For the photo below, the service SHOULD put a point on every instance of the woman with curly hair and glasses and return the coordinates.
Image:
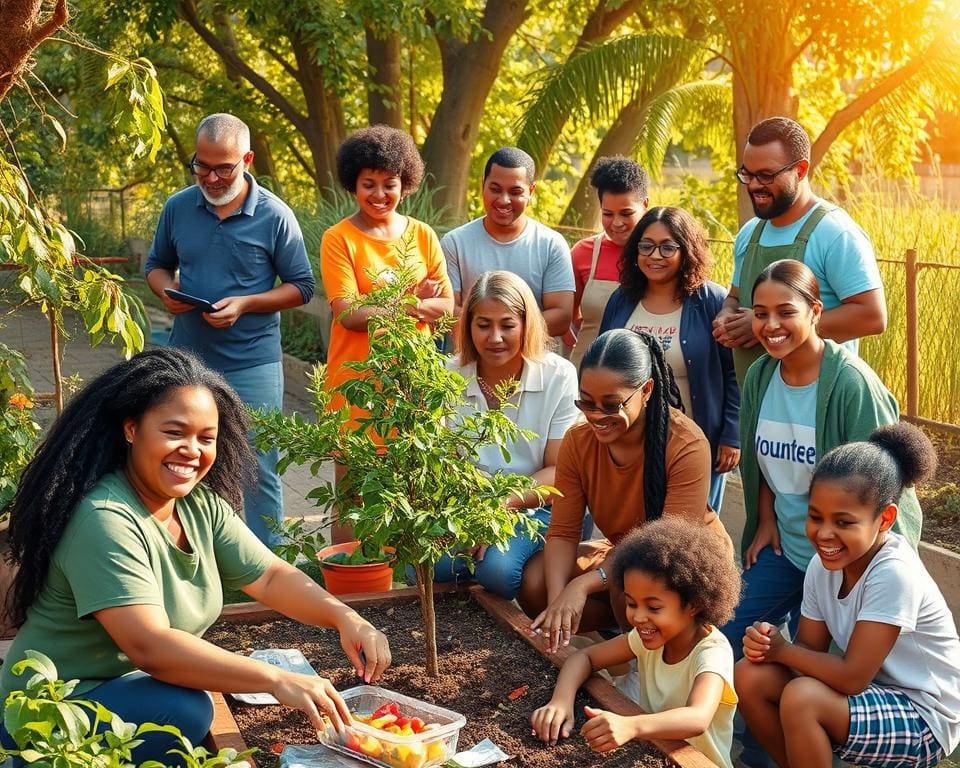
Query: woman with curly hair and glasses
(379, 166)
(665, 290)
(124, 532)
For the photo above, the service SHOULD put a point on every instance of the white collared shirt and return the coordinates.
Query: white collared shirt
(544, 403)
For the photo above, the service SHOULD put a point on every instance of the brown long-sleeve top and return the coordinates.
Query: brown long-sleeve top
(587, 477)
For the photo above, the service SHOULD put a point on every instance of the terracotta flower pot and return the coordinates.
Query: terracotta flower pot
(354, 579)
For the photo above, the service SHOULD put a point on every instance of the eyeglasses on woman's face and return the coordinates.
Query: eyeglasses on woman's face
(607, 410)
(667, 250)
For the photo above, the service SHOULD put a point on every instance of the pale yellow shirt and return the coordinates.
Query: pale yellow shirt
(667, 686)
(667, 329)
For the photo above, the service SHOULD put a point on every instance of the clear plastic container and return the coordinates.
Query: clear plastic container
(391, 750)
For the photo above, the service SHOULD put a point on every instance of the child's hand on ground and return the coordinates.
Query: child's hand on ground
(762, 641)
(605, 731)
(551, 722)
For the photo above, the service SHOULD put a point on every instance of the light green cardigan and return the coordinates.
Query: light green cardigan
(851, 403)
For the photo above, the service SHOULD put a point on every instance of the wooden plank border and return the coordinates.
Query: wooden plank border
(602, 691)
(224, 731)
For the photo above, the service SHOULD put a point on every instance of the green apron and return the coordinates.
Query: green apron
(757, 258)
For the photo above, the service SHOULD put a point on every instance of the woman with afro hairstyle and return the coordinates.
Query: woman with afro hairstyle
(379, 166)
(678, 586)
(621, 185)
(124, 531)
(664, 289)
(635, 459)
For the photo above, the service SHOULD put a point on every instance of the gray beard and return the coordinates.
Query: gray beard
(229, 194)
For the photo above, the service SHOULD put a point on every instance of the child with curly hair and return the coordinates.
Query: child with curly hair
(891, 697)
(678, 585)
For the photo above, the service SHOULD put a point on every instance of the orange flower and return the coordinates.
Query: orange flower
(20, 400)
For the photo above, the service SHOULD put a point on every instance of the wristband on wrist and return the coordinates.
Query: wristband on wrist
(603, 575)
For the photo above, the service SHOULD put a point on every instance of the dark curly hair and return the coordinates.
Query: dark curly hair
(788, 132)
(618, 175)
(689, 559)
(638, 356)
(894, 457)
(87, 442)
(695, 261)
(379, 148)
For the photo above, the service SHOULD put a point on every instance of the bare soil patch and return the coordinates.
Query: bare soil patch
(481, 663)
(940, 495)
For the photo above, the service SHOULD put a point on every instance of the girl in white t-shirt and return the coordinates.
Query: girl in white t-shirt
(891, 697)
(678, 586)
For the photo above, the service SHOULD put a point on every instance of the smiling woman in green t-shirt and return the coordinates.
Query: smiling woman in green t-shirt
(124, 534)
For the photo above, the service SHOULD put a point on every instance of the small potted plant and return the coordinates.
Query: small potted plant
(355, 566)
(411, 478)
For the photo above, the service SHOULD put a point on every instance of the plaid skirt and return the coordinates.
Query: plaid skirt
(887, 732)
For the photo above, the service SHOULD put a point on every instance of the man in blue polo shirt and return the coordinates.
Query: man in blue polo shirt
(231, 240)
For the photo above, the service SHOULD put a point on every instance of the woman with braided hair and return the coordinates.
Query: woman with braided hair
(124, 532)
(636, 458)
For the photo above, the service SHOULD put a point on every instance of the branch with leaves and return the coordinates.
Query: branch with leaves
(412, 480)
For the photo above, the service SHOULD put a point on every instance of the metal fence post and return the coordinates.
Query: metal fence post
(913, 350)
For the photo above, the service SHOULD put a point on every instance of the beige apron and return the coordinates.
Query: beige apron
(596, 294)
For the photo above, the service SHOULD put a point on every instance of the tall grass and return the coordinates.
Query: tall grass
(895, 221)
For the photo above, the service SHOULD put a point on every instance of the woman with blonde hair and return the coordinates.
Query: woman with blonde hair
(502, 337)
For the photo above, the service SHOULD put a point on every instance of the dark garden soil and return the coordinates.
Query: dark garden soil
(940, 495)
(481, 663)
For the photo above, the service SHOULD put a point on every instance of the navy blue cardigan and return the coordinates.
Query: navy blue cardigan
(713, 384)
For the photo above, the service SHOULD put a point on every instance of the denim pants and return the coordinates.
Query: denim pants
(718, 482)
(772, 591)
(498, 572)
(138, 698)
(262, 387)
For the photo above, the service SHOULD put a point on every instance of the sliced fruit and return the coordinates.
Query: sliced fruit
(382, 721)
(370, 746)
(416, 723)
(416, 757)
(436, 751)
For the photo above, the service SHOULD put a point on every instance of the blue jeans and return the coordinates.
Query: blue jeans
(138, 698)
(718, 482)
(262, 387)
(772, 591)
(501, 572)
(498, 572)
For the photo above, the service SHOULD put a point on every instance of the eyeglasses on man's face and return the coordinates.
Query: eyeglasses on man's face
(202, 170)
(606, 410)
(764, 177)
(667, 250)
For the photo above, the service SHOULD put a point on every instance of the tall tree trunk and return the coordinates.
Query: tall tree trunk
(384, 93)
(762, 55)
(583, 210)
(599, 25)
(469, 71)
(22, 32)
(262, 156)
(322, 126)
(424, 573)
(325, 127)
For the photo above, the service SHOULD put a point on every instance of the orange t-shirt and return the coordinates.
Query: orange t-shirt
(587, 477)
(348, 257)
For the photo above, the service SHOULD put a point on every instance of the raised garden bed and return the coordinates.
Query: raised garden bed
(485, 654)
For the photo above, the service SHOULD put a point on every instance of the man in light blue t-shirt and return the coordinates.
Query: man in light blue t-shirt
(506, 238)
(227, 240)
(792, 223)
